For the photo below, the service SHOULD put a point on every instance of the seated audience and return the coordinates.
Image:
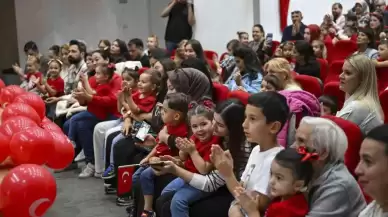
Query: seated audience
(136, 52)
(361, 10)
(366, 43)
(312, 32)
(291, 172)
(296, 30)
(281, 69)
(243, 37)
(270, 83)
(180, 52)
(359, 82)
(104, 44)
(31, 49)
(248, 77)
(376, 24)
(119, 51)
(260, 44)
(152, 42)
(333, 190)
(306, 62)
(319, 48)
(339, 19)
(32, 75)
(328, 105)
(155, 54)
(198, 64)
(372, 170)
(54, 52)
(228, 64)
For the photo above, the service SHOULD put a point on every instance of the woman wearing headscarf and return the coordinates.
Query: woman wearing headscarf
(361, 10)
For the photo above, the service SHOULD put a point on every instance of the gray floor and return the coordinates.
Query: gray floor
(82, 198)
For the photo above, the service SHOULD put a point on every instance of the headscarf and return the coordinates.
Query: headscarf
(191, 82)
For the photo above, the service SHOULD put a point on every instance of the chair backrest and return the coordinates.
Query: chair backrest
(335, 70)
(209, 54)
(382, 78)
(343, 49)
(173, 53)
(384, 104)
(143, 69)
(222, 57)
(275, 44)
(354, 136)
(221, 92)
(324, 65)
(332, 89)
(309, 84)
(240, 95)
(329, 49)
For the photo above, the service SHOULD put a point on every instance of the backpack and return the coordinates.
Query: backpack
(301, 104)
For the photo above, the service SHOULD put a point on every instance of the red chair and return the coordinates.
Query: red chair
(223, 56)
(355, 137)
(309, 84)
(332, 89)
(221, 92)
(384, 104)
(173, 53)
(324, 65)
(382, 78)
(275, 44)
(209, 54)
(343, 49)
(240, 95)
(334, 71)
(329, 48)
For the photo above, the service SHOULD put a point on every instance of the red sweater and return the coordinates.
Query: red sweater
(203, 150)
(104, 102)
(58, 85)
(295, 206)
(115, 82)
(36, 74)
(177, 131)
(145, 104)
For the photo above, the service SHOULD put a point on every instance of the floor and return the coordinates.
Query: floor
(82, 198)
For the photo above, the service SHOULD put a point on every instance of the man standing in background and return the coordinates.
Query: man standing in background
(181, 18)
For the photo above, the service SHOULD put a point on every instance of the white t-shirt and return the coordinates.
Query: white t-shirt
(373, 210)
(257, 171)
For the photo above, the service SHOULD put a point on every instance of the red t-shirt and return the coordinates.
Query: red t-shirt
(104, 102)
(36, 74)
(58, 85)
(114, 83)
(295, 206)
(145, 104)
(203, 150)
(382, 77)
(177, 131)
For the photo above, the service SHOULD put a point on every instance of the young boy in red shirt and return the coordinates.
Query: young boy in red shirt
(32, 75)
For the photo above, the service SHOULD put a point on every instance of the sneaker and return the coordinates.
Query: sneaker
(109, 172)
(110, 190)
(72, 166)
(146, 213)
(80, 157)
(97, 175)
(131, 211)
(124, 201)
(87, 172)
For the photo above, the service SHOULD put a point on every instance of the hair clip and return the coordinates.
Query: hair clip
(58, 60)
(307, 156)
(112, 66)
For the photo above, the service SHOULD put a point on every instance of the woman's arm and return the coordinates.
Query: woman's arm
(51, 91)
(254, 86)
(191, 16)
(167, 10)
(380, 64)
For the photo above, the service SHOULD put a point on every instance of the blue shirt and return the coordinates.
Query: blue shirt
(250, 86)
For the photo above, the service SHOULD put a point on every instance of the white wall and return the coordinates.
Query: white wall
(313, 12)
(219, 20)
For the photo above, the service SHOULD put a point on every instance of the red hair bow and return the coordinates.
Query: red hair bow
(307, 156)
(112, 66)
(208, 104)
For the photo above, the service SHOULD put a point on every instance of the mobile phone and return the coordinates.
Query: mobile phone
(143, 131)
(269, 38)
(160, 164)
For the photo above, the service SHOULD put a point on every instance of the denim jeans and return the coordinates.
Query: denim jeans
(115, 140)
(184, 196)
(170, 46)
(81, 127)
(147, 179)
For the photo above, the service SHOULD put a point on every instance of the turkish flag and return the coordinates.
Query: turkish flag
(124, 178)
(284, 5)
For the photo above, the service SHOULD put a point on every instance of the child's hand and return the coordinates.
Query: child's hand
(237, 78)
(127, 127)
(186, 145)
(144, 161)
(149, 141)
(154, 160)
(83, 79)
(248, 202)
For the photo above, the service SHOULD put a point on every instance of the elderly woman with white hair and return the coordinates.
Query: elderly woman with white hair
(333, 191)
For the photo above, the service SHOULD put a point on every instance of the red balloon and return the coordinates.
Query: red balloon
(4, 147)
(15, 90)
(6, 96)
(27, 191)
(63, 153)
(33, 145)
(34, 101)
(2, 85)
(50, 126)
(16, 124)
(20, 109)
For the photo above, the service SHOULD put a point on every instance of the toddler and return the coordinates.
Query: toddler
(328, 105)
(319, 49)
(32, 75)
(270, 83)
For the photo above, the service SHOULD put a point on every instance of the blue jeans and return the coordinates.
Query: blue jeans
(115, 140)
(81, 127)
(183, 197)
(71, 125)
(170, 46)
(147, 179)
